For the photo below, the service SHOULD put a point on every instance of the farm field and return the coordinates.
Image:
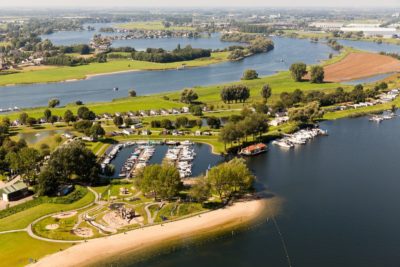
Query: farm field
(360, 65)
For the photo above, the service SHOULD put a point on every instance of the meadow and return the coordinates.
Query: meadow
(57, 74)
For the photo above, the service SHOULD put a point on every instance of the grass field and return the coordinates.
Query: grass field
(279, 83)
(58, 74)
(151, 25)
(22, 219)
(18, 248)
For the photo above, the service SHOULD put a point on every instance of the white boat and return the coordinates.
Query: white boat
(283, 143)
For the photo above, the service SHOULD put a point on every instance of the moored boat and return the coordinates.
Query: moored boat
(254, 149)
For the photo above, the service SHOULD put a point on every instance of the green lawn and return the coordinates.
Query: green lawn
(22, 219)
(151, 25)
(18, 248)
(80, 72)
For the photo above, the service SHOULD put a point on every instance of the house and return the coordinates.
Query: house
(137, 126)
(278, 121)
(197, 133)
(185, 110)
(64, 190)
(88, 138)
(15, 191)
(128, 131)
(175, 111)
(154, 112)
(164, 112)
(146, 132)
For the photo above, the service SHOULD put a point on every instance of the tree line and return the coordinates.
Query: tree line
(160, 55)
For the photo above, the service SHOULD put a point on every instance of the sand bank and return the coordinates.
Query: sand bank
(145, 238)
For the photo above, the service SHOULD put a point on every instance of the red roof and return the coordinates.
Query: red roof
(256, 146)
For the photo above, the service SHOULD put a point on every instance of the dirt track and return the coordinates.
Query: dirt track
(360, 65)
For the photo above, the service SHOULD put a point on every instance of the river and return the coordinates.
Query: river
(341, 196)
(99, 88)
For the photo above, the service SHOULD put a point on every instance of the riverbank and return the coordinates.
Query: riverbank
(63, 74)
(146, 238)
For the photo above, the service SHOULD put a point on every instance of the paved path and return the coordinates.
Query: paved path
(30, 232)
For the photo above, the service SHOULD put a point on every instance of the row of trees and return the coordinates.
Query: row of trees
(299, 70)
(235, 93)
(357, 95)
(180, 54)
(239, 128)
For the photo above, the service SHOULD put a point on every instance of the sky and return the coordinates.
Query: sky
(198, 3)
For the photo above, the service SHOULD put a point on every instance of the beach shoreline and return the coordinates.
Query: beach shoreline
(148, 238)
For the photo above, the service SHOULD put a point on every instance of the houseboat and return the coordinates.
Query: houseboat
(254, 150)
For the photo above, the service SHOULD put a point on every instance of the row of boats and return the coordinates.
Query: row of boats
(299, 138)
(138, 159)
(380, 118)
(182, 157)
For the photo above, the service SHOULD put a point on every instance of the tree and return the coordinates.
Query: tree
(229, 178)
(118, 121)
(162, 181)
(74, 162)
(306, 114)
(23, 117)
(213, 122)
(199, 123)
(47, 114)
(196, 110)
(298, 70)
(85, 114)
(201, 190)
(229, 133)
(53, 119)
(85, 50)
(181, 122)
(188, 96)
(25, 162)
(236, 92)
(132, 93)
(68, 116)
(166, 124)
(31, 121)
(96, 130)
(48, 182)
(357, 95)
(317, 74)
(54, 102)
(250, 75)
(266, 92)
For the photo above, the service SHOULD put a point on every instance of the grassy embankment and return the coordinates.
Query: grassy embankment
(18, 248)
(22, 219)
(58, 74)
(151, 25)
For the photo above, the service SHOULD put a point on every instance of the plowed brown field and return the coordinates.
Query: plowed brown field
(360, 65)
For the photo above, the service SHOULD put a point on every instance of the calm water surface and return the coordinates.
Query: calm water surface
(203, 159)
(341, 205)
(84, 37)
(371, 46)
(99, 88)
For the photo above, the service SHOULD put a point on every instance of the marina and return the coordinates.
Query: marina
(188, 157)
(383, 117)
(299, 138)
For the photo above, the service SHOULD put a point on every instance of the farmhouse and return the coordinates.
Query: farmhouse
(15, 191)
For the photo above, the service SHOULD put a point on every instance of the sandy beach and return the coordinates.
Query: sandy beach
(143, 239)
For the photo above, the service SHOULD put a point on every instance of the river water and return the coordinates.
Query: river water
(99, 88)
(340, 208)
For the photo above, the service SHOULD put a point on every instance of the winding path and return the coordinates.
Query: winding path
(29, 228)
